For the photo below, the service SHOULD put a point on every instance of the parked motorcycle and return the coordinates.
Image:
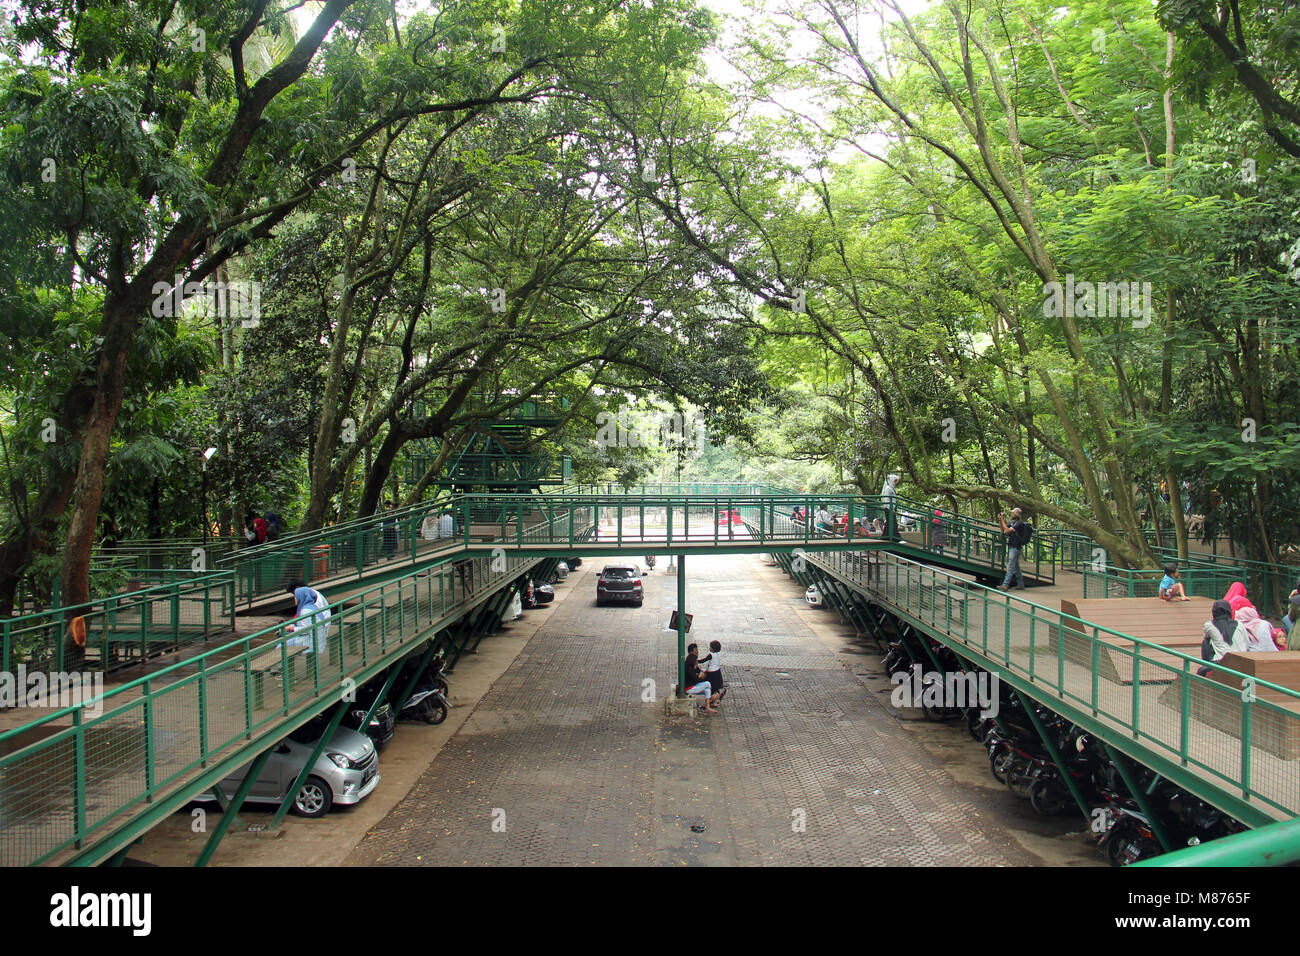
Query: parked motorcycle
(428, 698)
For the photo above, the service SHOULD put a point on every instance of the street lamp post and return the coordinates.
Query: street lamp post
(207, 456)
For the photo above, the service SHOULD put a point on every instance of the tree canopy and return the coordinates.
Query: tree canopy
(1021, 253)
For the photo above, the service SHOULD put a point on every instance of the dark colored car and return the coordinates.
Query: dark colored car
(619, 583)
(536, 595)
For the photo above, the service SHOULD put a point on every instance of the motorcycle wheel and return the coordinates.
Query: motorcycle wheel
(1018, 779)
(1046, 797)
(434, 713)
(1115, 842)
(975, 727)
(443, 687)
(999, 763)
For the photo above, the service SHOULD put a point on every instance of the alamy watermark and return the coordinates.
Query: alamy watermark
(56, 689)
(617, 430)
(915, 688)
(1102, 300)
(229, 300)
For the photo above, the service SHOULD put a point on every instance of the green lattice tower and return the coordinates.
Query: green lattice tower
(494, 460)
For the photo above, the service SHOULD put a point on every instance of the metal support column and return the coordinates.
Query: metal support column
(339, 710)
(228, 818)
(681, 626)
(1122, 765)
(1050, 746)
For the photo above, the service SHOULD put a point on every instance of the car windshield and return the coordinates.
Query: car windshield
(618, 574)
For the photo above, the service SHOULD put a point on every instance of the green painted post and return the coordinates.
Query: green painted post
(1247, 726)
(228, 817)
(1096, 651)
(681, 625)
(248, 692)
(1033, 621)
(203, 710)
(1137, 690)
(1185, 712)
(146, 702)
(79, 760)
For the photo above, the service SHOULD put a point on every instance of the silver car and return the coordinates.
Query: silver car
(345, 772)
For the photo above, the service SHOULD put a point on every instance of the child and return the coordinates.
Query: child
(1169, 586)
(713, 672)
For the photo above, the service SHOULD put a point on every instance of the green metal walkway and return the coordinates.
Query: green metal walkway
(79, 784)
(1235, 749)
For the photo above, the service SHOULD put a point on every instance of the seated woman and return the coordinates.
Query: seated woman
(696, 683)
(1259, 630)
(1221, 634)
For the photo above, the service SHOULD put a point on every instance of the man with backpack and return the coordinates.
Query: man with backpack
(1018, 534)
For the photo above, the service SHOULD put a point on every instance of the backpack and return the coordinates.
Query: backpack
(1026, 532)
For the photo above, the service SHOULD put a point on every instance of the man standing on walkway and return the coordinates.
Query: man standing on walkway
(1018, 534)
(888, 492)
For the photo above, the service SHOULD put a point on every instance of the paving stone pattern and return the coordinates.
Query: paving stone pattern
(566, 756)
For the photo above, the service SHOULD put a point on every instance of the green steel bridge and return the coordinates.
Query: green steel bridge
(79, 784)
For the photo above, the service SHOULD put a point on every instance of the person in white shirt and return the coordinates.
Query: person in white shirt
(822, 519)
(446, 525)
(713, 671)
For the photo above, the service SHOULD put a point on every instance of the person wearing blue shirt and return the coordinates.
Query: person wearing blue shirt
(1170, 588)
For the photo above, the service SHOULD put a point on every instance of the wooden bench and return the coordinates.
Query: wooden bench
(1274, 729)
(1176, 625)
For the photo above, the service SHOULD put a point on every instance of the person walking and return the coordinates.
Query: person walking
(1018, 534)
(939, 532)
(389, 523)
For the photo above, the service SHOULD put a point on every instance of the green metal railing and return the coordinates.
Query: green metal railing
(337, 553)
(138, 752)
(1125, 582)
(122, 629)
(1230, 737)
(347, 553)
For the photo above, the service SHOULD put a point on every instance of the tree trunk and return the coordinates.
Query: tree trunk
(117, 329)
(381, 468)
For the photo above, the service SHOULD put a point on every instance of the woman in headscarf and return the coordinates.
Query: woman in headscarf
(1260, 631)
(1221, 634)
(313, 620)
(1236, 597)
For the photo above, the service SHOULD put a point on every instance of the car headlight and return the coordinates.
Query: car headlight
(340, 760)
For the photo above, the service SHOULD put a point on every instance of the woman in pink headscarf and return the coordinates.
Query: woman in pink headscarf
(1260, 631)
(1236, 597)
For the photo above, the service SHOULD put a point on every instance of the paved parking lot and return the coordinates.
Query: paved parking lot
(564, 763)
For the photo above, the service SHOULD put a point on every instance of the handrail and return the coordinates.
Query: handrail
(1249, 742)
(102, 758)
(126, 622)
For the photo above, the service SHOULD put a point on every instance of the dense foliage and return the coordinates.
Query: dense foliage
(871, 242)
